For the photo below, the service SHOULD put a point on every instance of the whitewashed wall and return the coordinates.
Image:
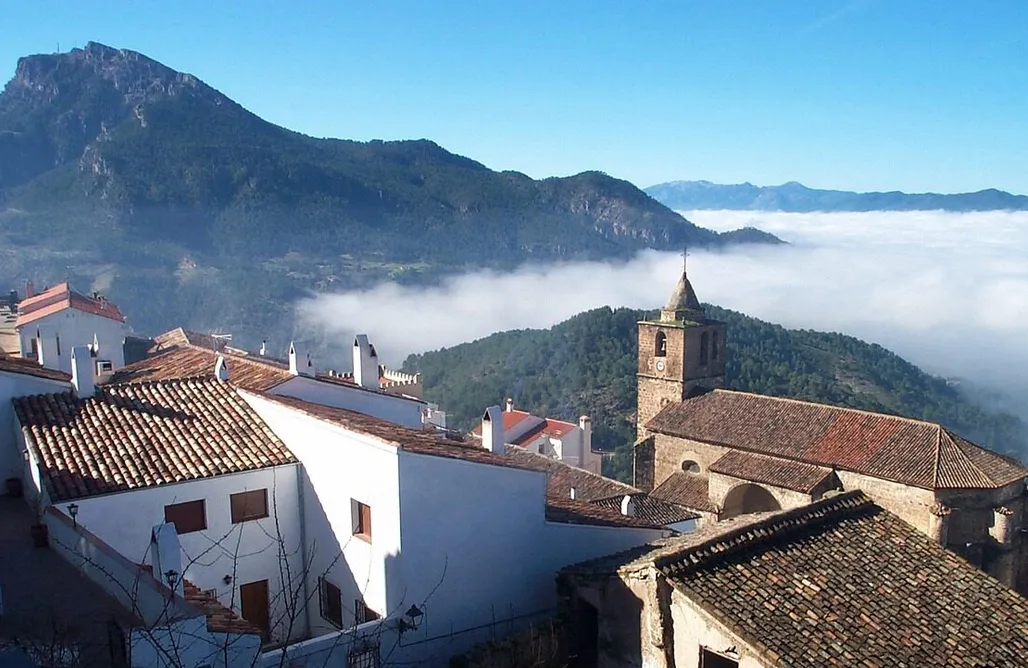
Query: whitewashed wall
(247, 552)
(18, 385)
(340, 467)
(76, 328)
(398, 410)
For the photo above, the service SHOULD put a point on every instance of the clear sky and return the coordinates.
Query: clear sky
(865, 94)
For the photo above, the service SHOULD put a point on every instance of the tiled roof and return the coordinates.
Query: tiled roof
(180, 362)
(588, 486)
(907, 451)
(60, 297)
(548, 427)
(684, 489)
(219, 618)
(651, 509)
(30, 368)
(570, 511)
(797, 476)
(510, 418)
(844, 583)
(143, 435)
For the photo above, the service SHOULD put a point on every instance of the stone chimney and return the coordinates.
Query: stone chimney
(166, 556)
(510, 405)
(264, 347)
(300, 362)
(221, 369)
(365, 362)
(628, 506)
(30, 290)
(82, 372)
(574, 493)
(492, 430)
(585, 424)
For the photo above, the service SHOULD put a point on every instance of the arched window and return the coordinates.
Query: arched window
(689, 466)
(660, 345)
(714, 352)
(704, 343)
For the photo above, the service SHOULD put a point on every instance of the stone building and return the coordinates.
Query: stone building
(724, 453)
(840, 582)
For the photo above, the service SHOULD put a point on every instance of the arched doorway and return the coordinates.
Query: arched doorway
(748, 498)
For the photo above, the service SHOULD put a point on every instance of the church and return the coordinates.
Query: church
(724, 453)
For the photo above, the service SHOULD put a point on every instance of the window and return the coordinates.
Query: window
(690, 466)
(104, 366)
(709, 659)
(660, 345)
(34, 348)
(248, 506)
(361, 515)
(362, 613)
(363, 654)
(187, 517)
(714, 352)
(331, 602)
(58, 346)
(704, 343)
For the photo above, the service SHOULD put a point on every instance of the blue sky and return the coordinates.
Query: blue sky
(872, 94)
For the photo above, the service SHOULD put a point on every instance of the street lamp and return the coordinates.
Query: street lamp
(411, 619)
(73, 510)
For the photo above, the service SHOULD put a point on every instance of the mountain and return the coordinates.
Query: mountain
(796, 197)
(127, 176)
(587, 364)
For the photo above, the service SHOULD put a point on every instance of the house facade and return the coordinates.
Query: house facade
(724, 453)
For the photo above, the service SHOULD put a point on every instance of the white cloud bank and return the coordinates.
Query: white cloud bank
(947, 291)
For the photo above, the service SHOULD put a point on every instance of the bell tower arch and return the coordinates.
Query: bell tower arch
(680, 353)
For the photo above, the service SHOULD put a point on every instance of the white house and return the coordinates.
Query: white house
(19, 377)
(56, 320)
(564, 441)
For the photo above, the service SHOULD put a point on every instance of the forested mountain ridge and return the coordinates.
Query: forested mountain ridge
(587, 365)
(798, 198)
(127, 176)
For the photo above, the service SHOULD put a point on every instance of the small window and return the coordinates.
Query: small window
(362, 613)
(187, 517)
(363, 655)
(704, 343)
(690, 466)
(104, 366)
(714, 347)
(58, 346)
(34, 348)
(331, 602)
(248, 506)
(660, 345)
(709, 659)
(361, 519)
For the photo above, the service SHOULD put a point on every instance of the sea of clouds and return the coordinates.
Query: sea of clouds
(948, 291)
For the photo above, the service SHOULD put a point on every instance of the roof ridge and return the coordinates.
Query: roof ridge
(778, 525)
(846, 409)
(938, 458)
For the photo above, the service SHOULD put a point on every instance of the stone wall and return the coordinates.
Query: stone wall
(669, 452)
(721, 485)
(912, 504)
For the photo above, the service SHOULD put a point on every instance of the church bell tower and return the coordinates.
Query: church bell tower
(680, 354)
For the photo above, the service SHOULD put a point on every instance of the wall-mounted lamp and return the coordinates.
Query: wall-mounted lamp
(73, 510)
(411, 619)
(227, 580)
(172, 576)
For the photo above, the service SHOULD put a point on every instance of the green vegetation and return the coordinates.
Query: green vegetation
(586, 365)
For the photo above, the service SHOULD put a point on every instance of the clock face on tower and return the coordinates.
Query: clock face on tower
(660, 365)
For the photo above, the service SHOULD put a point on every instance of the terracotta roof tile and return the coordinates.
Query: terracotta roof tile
(774, 471)
(570, 511)
(907, 451)
(510, 418)
(651, 509)
(146, 434)
(61, 297)
(194, 362)
(588, 486)
(30, 368)
(219, 618)
(684, 489)
(843, 582)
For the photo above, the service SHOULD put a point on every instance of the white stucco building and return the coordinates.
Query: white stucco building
(564, 441)
(56, 320)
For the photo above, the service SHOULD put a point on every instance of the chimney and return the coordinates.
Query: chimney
(300, 362)
(221, 369)
(48, 349)
(585, 424)
(365, 362)
(510, 405)
(30, 290)
(628, 506)
(166, 556)
(574, 493)
(264, 347)
(82, 372)
(492, 430)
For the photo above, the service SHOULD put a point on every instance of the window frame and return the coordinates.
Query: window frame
(361, 518)
(246, 517)
(183, 504)
(323, 598)
(706, 654)
(660, 344)
(362, 614)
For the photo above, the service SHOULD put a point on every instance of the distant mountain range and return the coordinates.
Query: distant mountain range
(796, 197)
(127, 176)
